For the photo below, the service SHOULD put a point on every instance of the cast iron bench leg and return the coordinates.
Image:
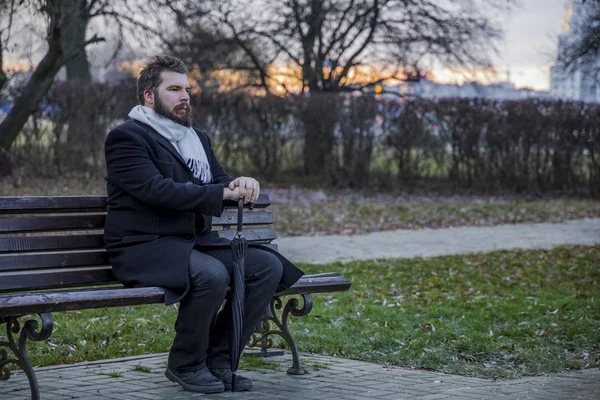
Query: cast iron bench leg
(264, 330)
(28, 331)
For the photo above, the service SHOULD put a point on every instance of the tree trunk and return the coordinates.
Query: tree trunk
(78, 71)
(73, 36)
(319, 118)
(37, 87)
(318, 144)
(78, 68)
(74, 154)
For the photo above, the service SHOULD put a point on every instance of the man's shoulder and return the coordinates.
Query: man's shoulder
(128, 126)
(131, 127)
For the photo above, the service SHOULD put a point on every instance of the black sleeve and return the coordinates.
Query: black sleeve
(130, 167)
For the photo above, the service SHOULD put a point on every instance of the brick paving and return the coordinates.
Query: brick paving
(328, 378)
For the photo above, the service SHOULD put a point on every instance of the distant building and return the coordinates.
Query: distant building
(428, 89)
(581, 83)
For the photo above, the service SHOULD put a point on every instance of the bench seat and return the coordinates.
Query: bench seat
(17, 304)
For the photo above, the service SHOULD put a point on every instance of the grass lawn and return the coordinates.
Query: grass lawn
(498, 315)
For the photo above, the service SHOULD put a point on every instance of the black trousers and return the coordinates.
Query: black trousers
(202, 332)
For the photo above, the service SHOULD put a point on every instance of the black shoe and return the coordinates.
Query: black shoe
(225, 375)
(201, 381)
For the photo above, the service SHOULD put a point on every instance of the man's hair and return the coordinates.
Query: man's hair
(150, 77)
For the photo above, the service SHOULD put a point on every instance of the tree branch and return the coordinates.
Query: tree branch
(364, 45)
(261, 70)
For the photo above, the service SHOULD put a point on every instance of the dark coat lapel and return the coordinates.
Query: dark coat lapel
(163, 142)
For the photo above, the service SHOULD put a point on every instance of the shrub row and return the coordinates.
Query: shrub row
(341, 140)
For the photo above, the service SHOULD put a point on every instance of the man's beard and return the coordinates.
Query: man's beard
(161, 109)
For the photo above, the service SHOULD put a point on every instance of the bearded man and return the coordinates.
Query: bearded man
(164, 184)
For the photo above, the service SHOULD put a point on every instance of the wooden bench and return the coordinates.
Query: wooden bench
(52, 258)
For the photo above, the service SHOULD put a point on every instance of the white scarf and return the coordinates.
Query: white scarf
(184, 139)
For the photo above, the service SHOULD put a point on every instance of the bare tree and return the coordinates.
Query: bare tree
(67, 28)
(210, 52)
(42, 78)
(327, 43)
(329, 46)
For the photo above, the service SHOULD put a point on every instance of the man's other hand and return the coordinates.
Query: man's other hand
(249, 188)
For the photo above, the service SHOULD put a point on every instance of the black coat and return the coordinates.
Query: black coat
(157, 211)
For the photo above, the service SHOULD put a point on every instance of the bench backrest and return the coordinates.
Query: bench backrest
(57, 242)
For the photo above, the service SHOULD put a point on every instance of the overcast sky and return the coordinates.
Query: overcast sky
(531, 33)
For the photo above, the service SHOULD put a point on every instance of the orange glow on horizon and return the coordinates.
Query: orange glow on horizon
(288, 79)
(17, 65)
(522, 77)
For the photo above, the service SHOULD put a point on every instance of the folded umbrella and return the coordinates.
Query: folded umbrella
(238, 246)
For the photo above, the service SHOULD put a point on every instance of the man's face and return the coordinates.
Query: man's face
(172, 98)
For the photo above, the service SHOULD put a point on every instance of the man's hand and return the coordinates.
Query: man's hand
(249, 188)
(229, 194)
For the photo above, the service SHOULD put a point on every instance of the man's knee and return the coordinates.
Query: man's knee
(207, 273)
(276, 268)
(270, 266)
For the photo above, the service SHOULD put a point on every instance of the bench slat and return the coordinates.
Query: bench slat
(45, 260)
(37, 243)
(51, 223)
(37, 223)
(252, 235)
(32, 261)
(67, 204)
(57, 279)
(263, 201)
(11, 205)
(29, 303)
(250, 218)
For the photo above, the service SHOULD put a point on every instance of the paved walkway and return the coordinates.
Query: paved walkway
(328, 378)
(436, 242)
(335, 378)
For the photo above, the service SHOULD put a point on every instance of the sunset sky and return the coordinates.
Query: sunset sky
(531, 33)
(525, 55)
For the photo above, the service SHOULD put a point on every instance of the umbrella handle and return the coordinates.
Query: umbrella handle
(240, 219)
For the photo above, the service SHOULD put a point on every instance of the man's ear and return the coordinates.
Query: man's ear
(149, 98)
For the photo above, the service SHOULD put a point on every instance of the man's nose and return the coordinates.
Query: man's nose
(185, 97)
